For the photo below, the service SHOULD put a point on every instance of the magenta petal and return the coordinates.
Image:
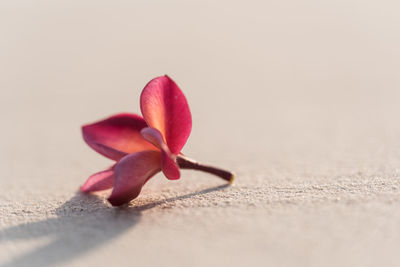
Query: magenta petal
(155, 137)
(165, 108)
(117, 136)
(106, 151)
(131, 173)
(169, 166)
(99, 181)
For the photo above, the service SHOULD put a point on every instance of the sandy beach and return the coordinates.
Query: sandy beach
(299, 98)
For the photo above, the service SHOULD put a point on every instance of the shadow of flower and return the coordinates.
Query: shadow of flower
(84, 223)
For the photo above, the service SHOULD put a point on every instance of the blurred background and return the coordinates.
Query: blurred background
(299, 98)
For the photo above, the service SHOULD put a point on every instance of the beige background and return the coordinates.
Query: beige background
(299, 98)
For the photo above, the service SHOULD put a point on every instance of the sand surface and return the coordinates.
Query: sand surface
(299, 98)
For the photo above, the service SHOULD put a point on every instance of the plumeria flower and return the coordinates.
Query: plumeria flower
(143, 146)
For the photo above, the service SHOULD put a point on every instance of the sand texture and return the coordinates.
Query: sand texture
(299, 98)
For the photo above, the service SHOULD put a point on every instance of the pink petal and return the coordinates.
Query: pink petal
(131, 173)
(168, 160)
(117, 136)
(99, 181)
(165, 108)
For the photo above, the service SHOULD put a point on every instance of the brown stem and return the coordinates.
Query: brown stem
(186, 163)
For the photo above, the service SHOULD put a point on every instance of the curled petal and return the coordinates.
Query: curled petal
(117, 136)
(168, 160)
(165, 108)
(131, 173)
(99, 181)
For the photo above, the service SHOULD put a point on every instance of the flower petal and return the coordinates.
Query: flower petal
(117, 136)
(99, 181)
(168, 160)
(165, 108)
(131, 173)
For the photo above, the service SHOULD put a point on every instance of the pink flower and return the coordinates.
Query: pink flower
(144, 146)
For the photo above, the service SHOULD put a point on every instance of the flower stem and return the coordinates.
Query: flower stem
(186, 163)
